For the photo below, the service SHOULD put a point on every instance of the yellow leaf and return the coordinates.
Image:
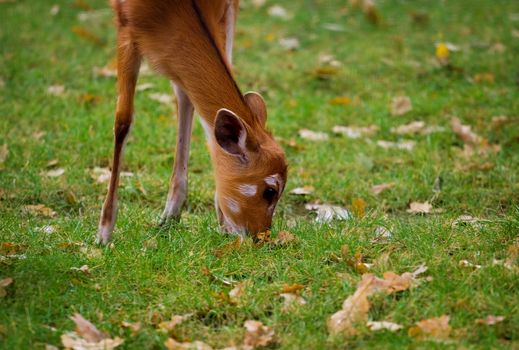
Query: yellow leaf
(341, 100)
(442, 53)
(358, 206)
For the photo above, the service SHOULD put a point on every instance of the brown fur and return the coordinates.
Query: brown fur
(185, 40)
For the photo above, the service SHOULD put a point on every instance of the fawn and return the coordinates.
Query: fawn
(190, 42)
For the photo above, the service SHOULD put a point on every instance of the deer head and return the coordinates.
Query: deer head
(250, 169)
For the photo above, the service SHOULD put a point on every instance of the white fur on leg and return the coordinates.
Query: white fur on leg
(104, 231)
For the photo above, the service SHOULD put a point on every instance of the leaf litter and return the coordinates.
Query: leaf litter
(356, 307)
(87, 337)
(327, 212)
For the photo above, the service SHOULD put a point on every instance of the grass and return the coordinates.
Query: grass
(134, 280)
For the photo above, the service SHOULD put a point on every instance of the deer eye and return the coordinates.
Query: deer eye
(269, 194)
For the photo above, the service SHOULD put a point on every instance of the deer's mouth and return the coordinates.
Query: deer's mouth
(227, 224)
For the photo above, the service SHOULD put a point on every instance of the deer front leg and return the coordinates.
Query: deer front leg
(128, 63)
(178, 186)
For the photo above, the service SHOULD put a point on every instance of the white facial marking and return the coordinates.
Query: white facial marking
(233, 205)
(272, 180)
(248, 190)
(207, 129)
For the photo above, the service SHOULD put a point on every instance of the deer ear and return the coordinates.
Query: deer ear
(230, 133)
(257, 106)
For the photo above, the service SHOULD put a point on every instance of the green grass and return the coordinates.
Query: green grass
(128, 282)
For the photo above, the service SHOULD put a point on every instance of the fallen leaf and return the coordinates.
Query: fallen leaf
(411, 128)
(400, 105)
(436, 328)
(471, 139)
(442, 53)
(258, 3)
(83, 269)
(325, 72)
(283, 238)
(355, 132)
(290, 44)
(490, 320)
(4, 283)
(40, 210)
(383, 325)
(54, 10)
(8, 248)
(292, 288)
(56, 90)
(170, 325)
(85, 329)
(358, 207)
(144, 86)
(55, 172)
(419, 208)
(330, 60)
(50, 347)
(355, 308)
(515, 33)
(377, 189)
(291, 300)
(340, 100)
(382, 234)
(228, 247)
(499, 121)
(90, 99)
(150, 244)
(302, 190)
(134, 327)
(165, 99)
(327, 213)
(498, 48)
(484, 78)
(313, 135)
(102, 175)
(237, 292)
(467, 220)
(172, 344)
(105, 72)
(4, 151)
(47, 229)
(468, 264)
(403, 145)
(257, 334)
(278, 12)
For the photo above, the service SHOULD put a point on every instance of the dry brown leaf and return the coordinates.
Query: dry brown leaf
(83, 269)
(229, 247)
(134, 327)
(8, 248)
(55, 172)
(468, 264)
(355, 132)
(278, 11)
(291, 300)
(50, 347)
(290, 44)
(257, 334)
(303, 190)
(54, 10)
(490, 320)
(465, 133)
(86, 330)
(400, 105)
(292, 288)
(102, 175)
(72, 340)
(40, 210)
(383, 325)
(105, 72)
(341, 100)
(326, 72)
(484, 78)
(4, 151)
(358, 207)
(56, 90)
(237, 292)
(355, 308)
(170, 325)
(327, 212)
(412, 128)
(283, 238)
(436, 328)
(165, 99)
(172, 344)
(403, 145)
(499, 121)
(382, 234)
(377, 189)
(4, 283)
(313, 135)
(419, 208)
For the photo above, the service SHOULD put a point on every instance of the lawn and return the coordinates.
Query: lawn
(452, 59)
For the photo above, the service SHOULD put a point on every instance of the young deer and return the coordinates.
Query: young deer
(190, 42)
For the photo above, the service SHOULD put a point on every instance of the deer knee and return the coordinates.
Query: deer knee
(122, 128)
